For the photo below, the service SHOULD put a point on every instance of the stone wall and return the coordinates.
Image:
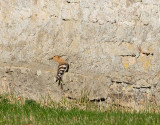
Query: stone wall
(112, 47)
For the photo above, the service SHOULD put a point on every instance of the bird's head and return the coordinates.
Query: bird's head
(57, 58)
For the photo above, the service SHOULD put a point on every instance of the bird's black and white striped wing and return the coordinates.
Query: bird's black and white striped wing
(61, 69)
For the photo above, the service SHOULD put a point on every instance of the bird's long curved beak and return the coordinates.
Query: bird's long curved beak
(50, 58)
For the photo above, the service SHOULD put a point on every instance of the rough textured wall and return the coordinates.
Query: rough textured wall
(112, 47)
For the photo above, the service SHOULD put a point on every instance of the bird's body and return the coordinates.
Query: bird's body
(62, 68)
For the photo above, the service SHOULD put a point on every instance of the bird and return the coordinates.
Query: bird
(62, 68)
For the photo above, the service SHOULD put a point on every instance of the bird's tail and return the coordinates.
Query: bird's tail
(60, 84)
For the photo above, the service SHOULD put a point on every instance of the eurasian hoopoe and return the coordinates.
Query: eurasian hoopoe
(63, 67)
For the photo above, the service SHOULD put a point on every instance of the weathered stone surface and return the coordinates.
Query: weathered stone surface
(112, 47)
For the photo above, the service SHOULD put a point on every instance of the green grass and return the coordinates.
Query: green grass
(32, 113)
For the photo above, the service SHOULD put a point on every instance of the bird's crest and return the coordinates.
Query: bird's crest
(58, 59)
